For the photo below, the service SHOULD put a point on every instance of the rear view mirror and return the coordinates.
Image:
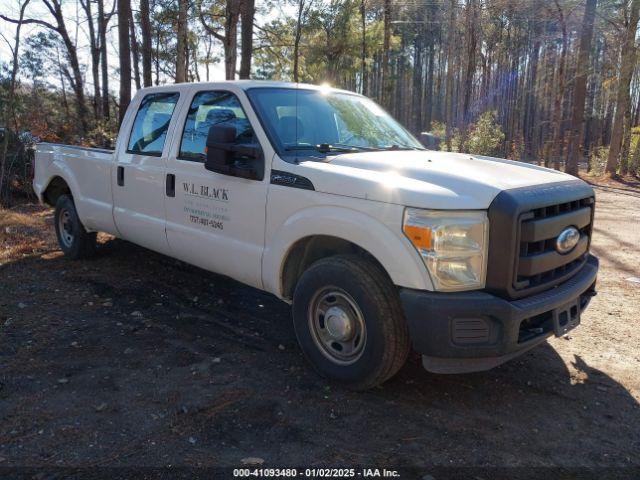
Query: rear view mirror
(225, 156)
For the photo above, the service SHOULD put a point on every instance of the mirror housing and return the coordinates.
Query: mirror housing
(224, 156)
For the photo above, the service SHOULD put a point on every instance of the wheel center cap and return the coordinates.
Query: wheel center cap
(338, 324)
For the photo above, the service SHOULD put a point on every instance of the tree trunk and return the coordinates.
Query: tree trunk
(145, 29)
(386, 45)
(580, 89)
(231, 39)
(296, 42)
(626, 144)
(208, 57)
(103, 20)
(134, 50)
(194, 71)
(156, 58)
(95, 58)
(558, 137)
(363, 50)
(416, 104)
(125, 57)
(247, 13)
(181, 57)
(472, 43)
(65, 101)
(449, 98)
(530, 100)
(623, 111)
(428, 96)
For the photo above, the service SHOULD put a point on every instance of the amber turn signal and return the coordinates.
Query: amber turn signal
(419, 236)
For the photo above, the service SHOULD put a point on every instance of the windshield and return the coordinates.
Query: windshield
(327, 121)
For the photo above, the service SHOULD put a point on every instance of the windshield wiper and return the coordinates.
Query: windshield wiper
(401, 147)
(344, 148)
(322, 148)
(357, 148)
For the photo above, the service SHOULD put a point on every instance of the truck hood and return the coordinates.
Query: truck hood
(424, 179)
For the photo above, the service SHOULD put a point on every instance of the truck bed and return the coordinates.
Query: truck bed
(88, 174)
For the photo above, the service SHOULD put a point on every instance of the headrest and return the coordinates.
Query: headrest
(219, 115)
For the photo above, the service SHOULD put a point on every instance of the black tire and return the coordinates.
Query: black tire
(385, 341)
(75, 242)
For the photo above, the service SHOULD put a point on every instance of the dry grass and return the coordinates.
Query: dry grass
(25, 230)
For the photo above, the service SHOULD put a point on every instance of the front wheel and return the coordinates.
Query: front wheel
(75, 242)
(349, 321)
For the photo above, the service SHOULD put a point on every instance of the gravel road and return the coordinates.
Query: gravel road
(134, 359)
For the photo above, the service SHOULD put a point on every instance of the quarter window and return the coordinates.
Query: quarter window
(208, 109)
(150, 127)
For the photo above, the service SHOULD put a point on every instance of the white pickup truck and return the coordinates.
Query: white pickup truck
(321, 198)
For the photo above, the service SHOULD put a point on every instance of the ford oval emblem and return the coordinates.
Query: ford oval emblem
(567, 240)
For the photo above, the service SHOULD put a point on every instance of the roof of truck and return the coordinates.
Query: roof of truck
(246, 85)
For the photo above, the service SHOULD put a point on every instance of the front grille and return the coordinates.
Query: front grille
(524, 225)
(538, 262)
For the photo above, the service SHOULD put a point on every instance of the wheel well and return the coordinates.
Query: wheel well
(311, 249)
(54, 190)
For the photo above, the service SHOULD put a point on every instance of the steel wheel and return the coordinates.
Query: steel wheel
(337, 325)
(65, 227)
(75, 242)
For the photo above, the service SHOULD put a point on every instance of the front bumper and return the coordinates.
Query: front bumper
(475, 331)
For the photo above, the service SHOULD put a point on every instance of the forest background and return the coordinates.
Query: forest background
(548, 81)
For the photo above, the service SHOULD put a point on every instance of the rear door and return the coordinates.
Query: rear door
(139, 176)
(216, 221)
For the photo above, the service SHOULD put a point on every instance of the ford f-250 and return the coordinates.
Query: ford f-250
(321, 198)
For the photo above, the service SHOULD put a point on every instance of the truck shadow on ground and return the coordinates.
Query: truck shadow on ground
(133, 358)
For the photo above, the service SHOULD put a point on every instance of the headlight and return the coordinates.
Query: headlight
(453, 246)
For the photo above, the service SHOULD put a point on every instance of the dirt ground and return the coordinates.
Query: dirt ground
(134, 359)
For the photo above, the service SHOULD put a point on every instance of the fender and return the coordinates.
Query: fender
(59, 169)
(392, 249)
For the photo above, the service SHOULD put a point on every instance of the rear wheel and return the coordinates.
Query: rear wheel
(349, 321)
(75, 242)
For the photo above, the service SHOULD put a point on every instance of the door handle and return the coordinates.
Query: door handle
(171, 185)
(120, 176)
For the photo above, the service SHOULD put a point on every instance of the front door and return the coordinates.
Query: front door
(215, 221)
(139, 176)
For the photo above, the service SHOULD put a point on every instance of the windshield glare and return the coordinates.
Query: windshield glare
(298, 119)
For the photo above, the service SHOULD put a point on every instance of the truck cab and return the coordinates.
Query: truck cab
(318, 196)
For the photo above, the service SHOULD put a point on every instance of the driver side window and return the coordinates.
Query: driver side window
(208, 109)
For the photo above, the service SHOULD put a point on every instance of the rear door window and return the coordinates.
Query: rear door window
(150, 127)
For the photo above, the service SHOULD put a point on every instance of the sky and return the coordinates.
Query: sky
(72, 10)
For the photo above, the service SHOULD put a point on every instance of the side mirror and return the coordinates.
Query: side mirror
(220, 139)
(430, 141)
(228, 158)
